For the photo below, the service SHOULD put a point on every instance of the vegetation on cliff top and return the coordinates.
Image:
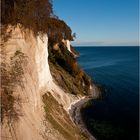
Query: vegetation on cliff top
(58, 30)
(35, 15)
(32, 14)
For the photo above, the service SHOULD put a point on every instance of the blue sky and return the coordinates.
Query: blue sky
(101, 22)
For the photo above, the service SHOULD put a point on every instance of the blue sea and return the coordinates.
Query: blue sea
(116, 69)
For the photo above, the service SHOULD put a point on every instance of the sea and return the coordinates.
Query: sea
(115, 115)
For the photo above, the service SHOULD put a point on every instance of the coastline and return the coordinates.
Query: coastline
(75, 107)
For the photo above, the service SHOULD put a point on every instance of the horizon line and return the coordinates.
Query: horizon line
(106, 45)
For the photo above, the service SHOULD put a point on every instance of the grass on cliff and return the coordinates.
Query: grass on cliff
(11, 76)
(60, 120)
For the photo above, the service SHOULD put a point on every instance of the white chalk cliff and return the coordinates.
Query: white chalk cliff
(36, 76)
(33, 83)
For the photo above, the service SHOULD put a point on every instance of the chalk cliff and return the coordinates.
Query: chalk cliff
(38, 86)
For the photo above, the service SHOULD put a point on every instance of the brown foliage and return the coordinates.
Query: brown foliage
(57, 30)
(36, 15)
(31, 14)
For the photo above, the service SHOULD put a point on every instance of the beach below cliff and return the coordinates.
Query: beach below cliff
(75, 110)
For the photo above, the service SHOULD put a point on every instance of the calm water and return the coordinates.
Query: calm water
(116, 115)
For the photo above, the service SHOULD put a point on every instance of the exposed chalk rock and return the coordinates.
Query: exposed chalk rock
(67, 44)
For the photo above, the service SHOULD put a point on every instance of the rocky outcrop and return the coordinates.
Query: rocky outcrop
(67, 44)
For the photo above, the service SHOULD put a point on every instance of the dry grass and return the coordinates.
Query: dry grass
(11, 76)
(60, 120)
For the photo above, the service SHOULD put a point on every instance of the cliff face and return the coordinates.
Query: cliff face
(35, 100)
(25, 62)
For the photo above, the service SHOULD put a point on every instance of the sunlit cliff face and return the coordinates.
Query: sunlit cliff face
(26, 55)
(41, 57)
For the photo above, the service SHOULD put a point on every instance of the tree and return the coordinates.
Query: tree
(31, 14)
(36, 15)
(74, 35)
(57, 30)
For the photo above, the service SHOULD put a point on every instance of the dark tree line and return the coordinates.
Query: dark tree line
(36, 15)
(58, 30)
(31, 14)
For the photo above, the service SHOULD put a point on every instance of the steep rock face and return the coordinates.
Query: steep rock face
(26, 77)
(23, 53)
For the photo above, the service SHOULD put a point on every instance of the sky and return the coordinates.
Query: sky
(101, 22)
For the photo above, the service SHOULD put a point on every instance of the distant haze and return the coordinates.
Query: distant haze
(101, 22)
(75, 43)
